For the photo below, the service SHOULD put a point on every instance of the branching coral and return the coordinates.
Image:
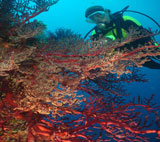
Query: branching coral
(102, 119)
(40, 81)
(41, 69)
(19, 13)
(19, 29)
(102, 57)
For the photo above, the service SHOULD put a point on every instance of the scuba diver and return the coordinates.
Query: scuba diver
(115, 26)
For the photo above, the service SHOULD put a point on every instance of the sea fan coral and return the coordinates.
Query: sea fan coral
(63, 88)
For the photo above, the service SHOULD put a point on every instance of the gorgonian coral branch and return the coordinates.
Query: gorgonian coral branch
(95, 55)
(19, 14)
(101, 120)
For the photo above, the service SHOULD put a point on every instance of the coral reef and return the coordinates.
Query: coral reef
(59, 87)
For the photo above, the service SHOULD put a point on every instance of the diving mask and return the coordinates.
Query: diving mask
(98, 17)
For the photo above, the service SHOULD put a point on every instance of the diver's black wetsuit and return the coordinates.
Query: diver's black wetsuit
(126, 25)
